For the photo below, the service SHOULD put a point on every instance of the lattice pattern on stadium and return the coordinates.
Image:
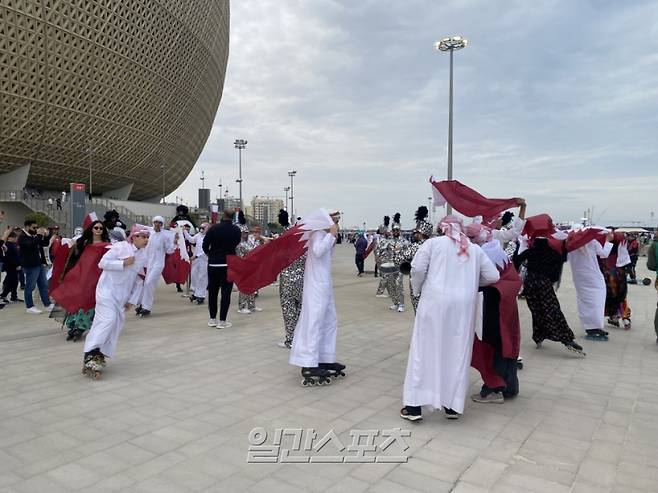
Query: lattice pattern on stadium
(130, 85)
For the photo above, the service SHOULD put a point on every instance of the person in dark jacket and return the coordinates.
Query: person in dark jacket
(220, 241)
(360, 245)
(11, 266)
(31, 243)
(652, 265)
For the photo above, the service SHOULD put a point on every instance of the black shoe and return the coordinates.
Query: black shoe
(144, 312)
(69, 335)
(179, 289)
(4, 300)
(138, 309)
(450, 414)
(199, 301)
(16, 300)
(411, 413)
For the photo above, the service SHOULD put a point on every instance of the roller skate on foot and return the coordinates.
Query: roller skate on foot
(575, 347)
(596, 335)
(627, 324)
(411, 413)
(315, 376)
(93, 365)
(335, 369)
(613, 321)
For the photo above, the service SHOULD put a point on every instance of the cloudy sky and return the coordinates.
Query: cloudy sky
(555, 101)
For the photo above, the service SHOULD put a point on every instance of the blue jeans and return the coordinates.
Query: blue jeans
(36, 277)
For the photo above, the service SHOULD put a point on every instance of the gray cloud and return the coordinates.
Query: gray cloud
(555, 101)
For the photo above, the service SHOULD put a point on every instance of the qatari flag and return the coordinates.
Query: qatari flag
(261, 266)
(467, 201)
(580, 238)
(371, 246)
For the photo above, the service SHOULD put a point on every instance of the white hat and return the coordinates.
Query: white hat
(158, 219)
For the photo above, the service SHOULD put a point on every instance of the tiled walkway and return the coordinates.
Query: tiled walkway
(175, 410)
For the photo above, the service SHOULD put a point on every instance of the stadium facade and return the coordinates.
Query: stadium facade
(125, 91)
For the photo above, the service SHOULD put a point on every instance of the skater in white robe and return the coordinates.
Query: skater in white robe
(447, 272)
(314, 341)
(161, 242)
(590, 285)
(121, 266)
(199, 273)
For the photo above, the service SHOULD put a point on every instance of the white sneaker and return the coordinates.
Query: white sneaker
(34, 310)
(222, 324)
(50, 307)
(257, 309)
(393, 307)
(244, 311)
(381, 296)
(212, 322)
(400, 308)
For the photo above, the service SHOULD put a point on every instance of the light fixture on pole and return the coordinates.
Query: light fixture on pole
(286, 189)
(90, 151)
(239, 145)
(451, 44)
(203, 180)
(292, 174)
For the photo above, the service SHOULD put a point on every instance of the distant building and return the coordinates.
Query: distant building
(266, 209)
(228, 203)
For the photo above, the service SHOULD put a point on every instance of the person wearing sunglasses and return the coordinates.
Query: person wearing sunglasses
(84, 254)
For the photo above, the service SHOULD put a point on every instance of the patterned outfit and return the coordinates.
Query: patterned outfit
(245, 301)
(395, 248)
(380, 258)
(409, 253)
(291, 286)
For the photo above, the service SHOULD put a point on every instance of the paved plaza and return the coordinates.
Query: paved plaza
(174, 411)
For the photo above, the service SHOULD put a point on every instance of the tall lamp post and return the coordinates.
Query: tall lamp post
(292, 174)
(429, 209)
(239, 145)
(162, 166)
(89, 153)
(451, 45)
(286, 189)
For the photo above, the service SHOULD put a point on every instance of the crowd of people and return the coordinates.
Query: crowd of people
(465, 283)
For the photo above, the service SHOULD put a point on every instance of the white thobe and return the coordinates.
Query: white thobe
(315, 334)
(442, 341)
(590, 283)
(199, 272)
(159, 244)
(113, 291)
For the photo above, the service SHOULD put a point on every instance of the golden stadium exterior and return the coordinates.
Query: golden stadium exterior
(128, 88)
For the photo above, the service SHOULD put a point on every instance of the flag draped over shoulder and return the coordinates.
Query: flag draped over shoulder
(177, 265)
(261, 266)
(467, 201)
(372, 243)
(78, 288)
(582, 237)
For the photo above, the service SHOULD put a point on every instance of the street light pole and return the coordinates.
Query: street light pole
(89, 152)
(429, 209)
(286, 189)
(450, 44)
(239, 145)
(162, 166)
(292, 174)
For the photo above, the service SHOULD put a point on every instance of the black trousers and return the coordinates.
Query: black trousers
(358, 259)
(217, 282)
(10, 284)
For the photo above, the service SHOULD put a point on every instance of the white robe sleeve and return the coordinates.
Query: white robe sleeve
(110, 261)
(603, 251)
(169, 245)
(189, 237)
(320, 246)
(419, 266)
(488, 272)
(505, 235)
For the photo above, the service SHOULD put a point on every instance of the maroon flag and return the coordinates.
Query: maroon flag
(577, 239)
(467, 201)
(371, 246)
(176, 268)
(77, 290)
(261, 266)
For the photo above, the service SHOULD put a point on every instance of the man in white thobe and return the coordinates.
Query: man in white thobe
(161, 242)
(199, 273)
(590, 286)
(314, 342)
(121, 266)
(447, 272)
